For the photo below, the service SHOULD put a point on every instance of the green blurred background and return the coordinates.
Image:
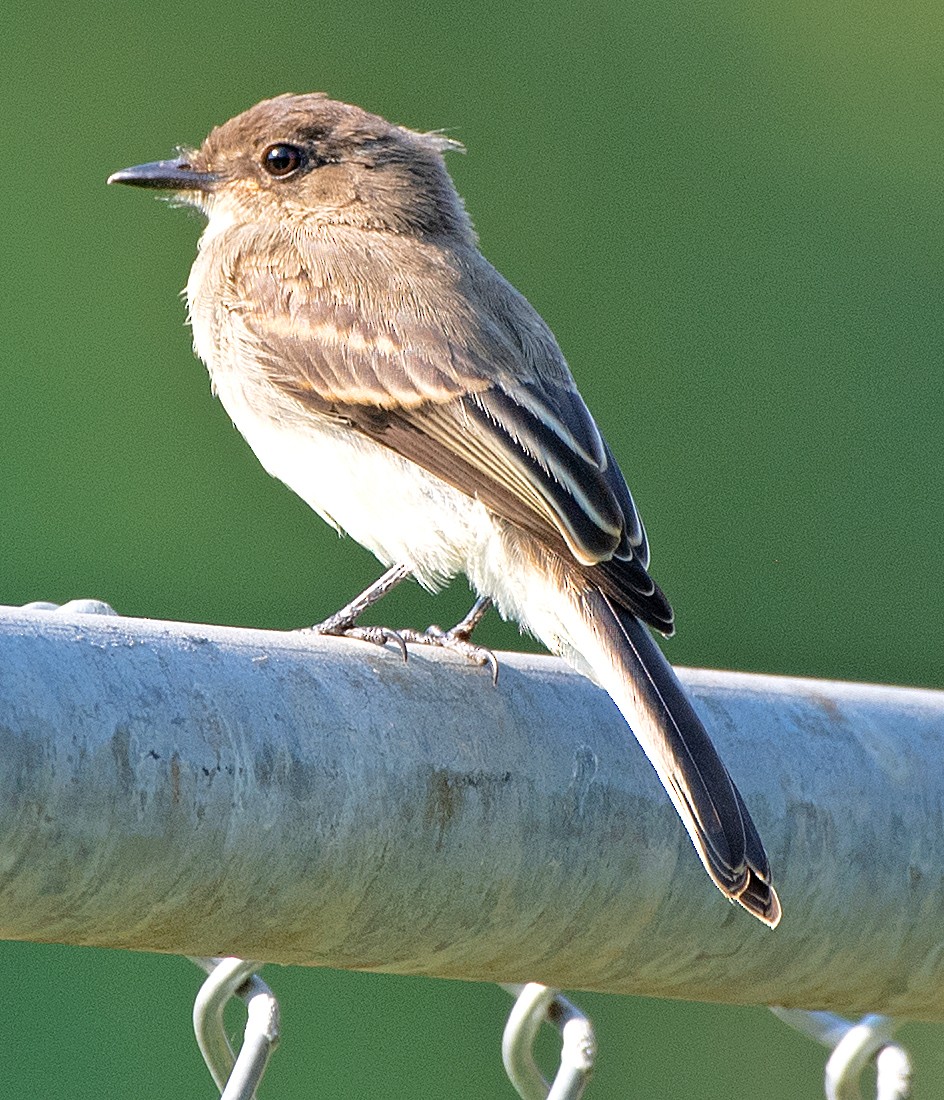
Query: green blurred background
(730, 214)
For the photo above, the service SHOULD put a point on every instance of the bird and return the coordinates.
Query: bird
(383, 369)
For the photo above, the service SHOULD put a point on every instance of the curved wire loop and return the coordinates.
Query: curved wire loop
(536, 1004)
(855, 1046)
(236, 1076)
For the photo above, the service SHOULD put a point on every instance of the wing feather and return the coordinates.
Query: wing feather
(444, 388)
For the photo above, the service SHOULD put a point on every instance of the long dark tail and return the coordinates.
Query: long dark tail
(645, 688)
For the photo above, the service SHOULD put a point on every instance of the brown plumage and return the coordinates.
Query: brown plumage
(384, 370)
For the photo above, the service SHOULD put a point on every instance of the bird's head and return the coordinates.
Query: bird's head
(311, 159)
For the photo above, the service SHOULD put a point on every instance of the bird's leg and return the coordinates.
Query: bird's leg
(343, 623)
(457, 639)
(463, 629)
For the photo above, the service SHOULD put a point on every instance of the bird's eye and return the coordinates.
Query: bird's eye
(282, 160)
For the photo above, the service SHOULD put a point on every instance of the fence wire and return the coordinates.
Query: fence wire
(854, 1045)
(236, 1075)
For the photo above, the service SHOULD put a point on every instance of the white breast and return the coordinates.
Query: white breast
(397, 510)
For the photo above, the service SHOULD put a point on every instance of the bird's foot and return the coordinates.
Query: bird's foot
(456, 641)
(343, 624)
(338, 627)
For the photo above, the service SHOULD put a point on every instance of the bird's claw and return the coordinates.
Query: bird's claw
(455, 641)
(376, 635)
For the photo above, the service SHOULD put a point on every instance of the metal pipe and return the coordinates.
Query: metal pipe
(282, 797)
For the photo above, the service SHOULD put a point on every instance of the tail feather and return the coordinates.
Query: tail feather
(645, 688)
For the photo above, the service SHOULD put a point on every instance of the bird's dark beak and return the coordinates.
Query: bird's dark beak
(166, 175)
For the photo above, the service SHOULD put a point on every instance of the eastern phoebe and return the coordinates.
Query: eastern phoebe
(383, 369)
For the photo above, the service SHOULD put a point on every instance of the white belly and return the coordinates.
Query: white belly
(394, 508)
(404, 515)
